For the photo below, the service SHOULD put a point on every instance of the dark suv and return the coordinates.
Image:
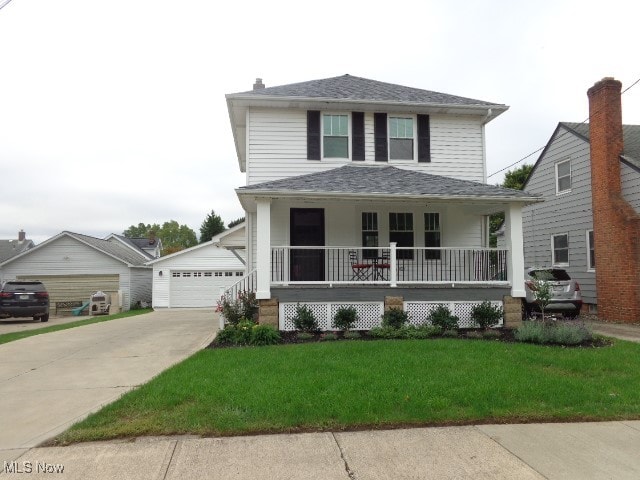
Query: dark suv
(24, 299)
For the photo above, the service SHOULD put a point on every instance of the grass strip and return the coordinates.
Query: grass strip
(13, 336)
(374, 384)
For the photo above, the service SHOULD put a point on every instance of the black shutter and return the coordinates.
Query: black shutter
(424, 139)
(357, 134)
(380, 136)
(313, 135)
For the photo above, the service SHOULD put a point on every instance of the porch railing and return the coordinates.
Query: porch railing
(387, 265)
(248, 283)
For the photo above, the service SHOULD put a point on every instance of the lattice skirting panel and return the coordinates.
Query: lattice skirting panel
(369, 314)
(418, 311)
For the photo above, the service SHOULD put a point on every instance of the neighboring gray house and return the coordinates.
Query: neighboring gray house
(10, 248)
(559, 231)
(73, 266)
(151, 246)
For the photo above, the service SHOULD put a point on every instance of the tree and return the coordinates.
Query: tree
(235, 222)
(174, 237)
(514, 179)
(212, 226)
(141, 231)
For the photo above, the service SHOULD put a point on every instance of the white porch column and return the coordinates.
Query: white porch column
(515, 245)
(263, 248)
(394, 264)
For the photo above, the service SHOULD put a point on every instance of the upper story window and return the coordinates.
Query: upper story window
(563, 177)
(335, 136)
(400, 138)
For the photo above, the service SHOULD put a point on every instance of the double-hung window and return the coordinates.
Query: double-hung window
(369, 234)
(591, 251)
(563, 177)
(401, 138)
(401, 232)
(560, 249)
(432, 235)
(335, 136)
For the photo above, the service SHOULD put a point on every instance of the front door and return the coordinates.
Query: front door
(307, 229)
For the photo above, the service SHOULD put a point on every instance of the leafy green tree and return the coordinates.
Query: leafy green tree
(235, 222)
(141, 230)
(513, 179)
(176, 237)
(212, 226)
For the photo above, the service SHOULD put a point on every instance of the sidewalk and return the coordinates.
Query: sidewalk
(535, 451)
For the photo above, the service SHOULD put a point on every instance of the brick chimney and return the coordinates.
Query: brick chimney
(152, 237)
(21, 236)
(616, 225)
(258, 85)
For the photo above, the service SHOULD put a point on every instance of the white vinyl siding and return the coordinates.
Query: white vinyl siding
(277, 147)
(569, 213)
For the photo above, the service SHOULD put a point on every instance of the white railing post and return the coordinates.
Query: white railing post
(221, 317)
(393, 274)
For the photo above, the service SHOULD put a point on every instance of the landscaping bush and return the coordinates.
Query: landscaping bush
(559, 333)
(405, 331)
(304, 319)
(345, 318)
(245, 306)
(304, 336)
(491, 334)
(450, 333)
(385, 332)
(351, 335)
(485, 314)
(442, 317)
(395, 318)
(264, 335)
(329, 336)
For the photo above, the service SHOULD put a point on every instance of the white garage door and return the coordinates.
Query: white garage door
(200, 288)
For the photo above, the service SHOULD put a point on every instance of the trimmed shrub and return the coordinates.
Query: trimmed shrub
(264, 335)
(304, 319)
(491, 334)
(395, 318)
(238, 334)
(385, 332)
(442, 317)
(486, 315)
(352, 335)
(329, 336)
(304, 336)
(559, 333)
(406, 331)
(450, 333)
(345, 318)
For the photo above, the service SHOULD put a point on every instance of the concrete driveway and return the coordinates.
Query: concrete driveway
(49, 382)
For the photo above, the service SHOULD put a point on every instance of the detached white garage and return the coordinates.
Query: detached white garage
(193, 277)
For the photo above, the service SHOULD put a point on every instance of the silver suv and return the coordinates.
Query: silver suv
(24, 299)
(566, 297)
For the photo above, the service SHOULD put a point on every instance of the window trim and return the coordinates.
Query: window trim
(553, 250)
(349, 134)
(568, 190)
(414, 136)
(590, 267)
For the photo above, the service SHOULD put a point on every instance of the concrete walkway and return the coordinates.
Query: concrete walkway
(49, 382)
(536, 451)
(623, 331)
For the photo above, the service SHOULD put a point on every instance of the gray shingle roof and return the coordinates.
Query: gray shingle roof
(112, 248)
(351, 179)
(10, 248)
(348, 87)
(630, 137)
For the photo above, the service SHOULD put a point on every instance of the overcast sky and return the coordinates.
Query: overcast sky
(113, 112)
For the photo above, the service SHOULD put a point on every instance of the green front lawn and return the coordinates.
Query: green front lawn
(349, 385)
(10, 337)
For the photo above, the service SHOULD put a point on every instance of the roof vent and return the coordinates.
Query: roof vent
(258, 85)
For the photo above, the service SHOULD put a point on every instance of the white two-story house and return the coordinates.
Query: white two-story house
(370, 194)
